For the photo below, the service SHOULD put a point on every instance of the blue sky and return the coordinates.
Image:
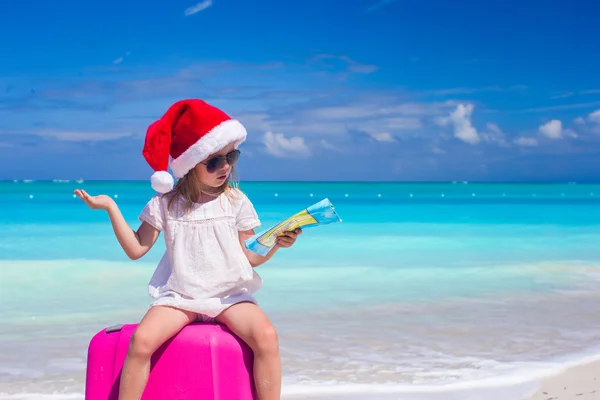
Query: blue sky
(328, 90)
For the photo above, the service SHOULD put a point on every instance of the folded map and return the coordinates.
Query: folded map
(321, 213)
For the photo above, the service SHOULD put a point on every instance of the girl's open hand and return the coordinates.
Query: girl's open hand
(101, 202)
(288, 238)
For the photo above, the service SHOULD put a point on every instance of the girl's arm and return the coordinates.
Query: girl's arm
(287, 240)
(135, 243)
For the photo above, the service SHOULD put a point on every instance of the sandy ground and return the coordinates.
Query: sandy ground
(580, 382)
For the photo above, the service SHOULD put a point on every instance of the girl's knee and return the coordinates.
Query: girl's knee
(142, 344)
(265, 339)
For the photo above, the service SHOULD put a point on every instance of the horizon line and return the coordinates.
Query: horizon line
(318, 181)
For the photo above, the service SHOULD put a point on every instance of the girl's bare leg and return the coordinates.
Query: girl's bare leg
(251, 325)
(158, 325)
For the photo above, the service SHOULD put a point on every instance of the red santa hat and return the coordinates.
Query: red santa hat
(189, 131)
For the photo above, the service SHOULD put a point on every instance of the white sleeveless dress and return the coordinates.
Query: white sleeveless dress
(204, 269)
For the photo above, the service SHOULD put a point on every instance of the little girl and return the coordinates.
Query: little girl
(206, 273)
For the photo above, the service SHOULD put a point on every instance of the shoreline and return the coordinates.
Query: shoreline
(570, 381)
(575, 379)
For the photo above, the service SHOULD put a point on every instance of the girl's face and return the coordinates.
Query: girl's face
(215, 169)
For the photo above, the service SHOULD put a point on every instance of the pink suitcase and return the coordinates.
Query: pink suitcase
(202, 362)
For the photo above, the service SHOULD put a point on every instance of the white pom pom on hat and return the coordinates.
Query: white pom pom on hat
(162, 181)
(188, 132)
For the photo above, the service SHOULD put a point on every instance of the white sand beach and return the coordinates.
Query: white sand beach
(574, 383)
(579, 382)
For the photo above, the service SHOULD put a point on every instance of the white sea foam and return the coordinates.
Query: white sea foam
(519, 384)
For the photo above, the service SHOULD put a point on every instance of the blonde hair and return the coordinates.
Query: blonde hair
(190, 188)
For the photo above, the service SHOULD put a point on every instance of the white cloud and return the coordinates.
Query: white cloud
(78, 136)
(460, 119)
(571, 133)
(121, 59)
(197, 8)
(383, 137)
(342, 112)
(70, 136)
(394, 113)
(493, 134)
(562, 95)
(579, 121)
(402, 123)
(280, 146)
(257, 121)
(337, 121)
(493, 127)
(561, 107)
(328, 145)
(414, 108)
(316, 128)
(552, 129)
(353, 66)
(526, 141)
(472, 90)
(595, 117)
(359, 67)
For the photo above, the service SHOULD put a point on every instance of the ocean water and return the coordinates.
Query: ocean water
(424, 291)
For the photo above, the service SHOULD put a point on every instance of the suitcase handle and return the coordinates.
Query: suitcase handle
(114, 328)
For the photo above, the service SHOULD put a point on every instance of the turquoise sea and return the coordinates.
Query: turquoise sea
(425, 290)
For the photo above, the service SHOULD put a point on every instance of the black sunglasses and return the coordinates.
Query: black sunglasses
(217, 162)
